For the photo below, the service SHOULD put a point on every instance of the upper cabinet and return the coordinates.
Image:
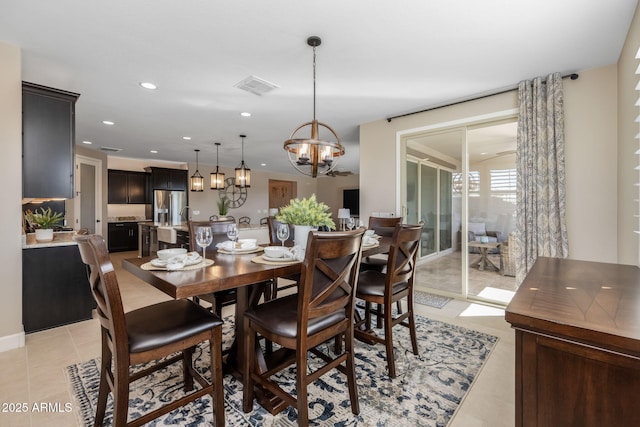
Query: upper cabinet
(128, 187)
(168, 179)
(48, 142)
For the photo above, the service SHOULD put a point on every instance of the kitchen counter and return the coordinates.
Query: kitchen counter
(60, 238)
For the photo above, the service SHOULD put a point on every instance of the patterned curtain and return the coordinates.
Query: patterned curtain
(541, 226)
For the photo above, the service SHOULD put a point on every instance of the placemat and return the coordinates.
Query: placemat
(150, 267)
(260, 260)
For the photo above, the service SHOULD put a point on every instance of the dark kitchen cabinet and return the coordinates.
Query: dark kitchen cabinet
(55, 290)
(48, 142)
(169, 179)
(123, 236)
(128, 187)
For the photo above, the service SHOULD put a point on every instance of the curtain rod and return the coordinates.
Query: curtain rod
(572, 76)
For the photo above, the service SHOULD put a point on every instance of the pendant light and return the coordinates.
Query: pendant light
(307, 155)
(243, 173)
(217, 177)
(196, 182)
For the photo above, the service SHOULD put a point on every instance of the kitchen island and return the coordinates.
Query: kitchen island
(55, 289)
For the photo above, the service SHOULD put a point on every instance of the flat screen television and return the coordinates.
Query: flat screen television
(351, 201)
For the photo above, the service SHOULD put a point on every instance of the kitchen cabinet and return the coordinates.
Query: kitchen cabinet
(48, 142)
(123, 236)
(55, 289)
(128, 187)
(169, 179)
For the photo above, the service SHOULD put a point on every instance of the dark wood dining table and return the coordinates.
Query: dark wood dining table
(229, 271)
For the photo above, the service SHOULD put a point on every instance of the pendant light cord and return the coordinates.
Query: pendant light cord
(314, 82)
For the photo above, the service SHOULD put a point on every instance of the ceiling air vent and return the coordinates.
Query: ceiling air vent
(256, 85)
(111, 149)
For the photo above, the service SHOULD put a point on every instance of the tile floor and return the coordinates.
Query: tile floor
(34, 374)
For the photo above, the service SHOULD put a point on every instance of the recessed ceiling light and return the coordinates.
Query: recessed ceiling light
(245, 114)
(186, 138)
(87, 142)
(263, 164)
(154, 151)
(148, 85)
(108, 122)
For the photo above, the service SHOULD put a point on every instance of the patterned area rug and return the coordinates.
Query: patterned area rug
(431, 300)
(426, 392)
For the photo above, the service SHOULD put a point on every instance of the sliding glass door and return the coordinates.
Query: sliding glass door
(461, 184)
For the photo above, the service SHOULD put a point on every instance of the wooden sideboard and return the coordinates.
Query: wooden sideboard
(577, 329)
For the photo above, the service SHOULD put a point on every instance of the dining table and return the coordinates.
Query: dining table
(241, 271)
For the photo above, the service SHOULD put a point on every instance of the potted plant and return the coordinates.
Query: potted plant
(305, 215)
(223, 207)
(44, 223)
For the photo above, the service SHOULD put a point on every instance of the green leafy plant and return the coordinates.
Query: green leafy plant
(306, 212)
(45, 219)
(223, 206)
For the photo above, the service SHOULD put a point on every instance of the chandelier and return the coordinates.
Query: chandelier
(313, 156)
(243, 173)
(196, 182)
(217, 177)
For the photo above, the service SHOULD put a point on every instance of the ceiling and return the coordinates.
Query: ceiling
(376, 60)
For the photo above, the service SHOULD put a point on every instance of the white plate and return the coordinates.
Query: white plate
(370, 246)
(277, 259)
(240, 251)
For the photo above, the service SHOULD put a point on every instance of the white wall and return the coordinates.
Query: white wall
(11, 329)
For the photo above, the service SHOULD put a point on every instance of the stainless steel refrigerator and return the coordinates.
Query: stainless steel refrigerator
(168, 206)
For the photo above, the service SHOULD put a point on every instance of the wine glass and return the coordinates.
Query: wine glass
(204, 237)
(351, 222)
(283, 232)
(232, 234)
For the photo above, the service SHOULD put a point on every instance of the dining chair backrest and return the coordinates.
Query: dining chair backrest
(104, 287)
(384, 226)
(218, 230)
(328, 277)
(244, 220)
(401, 264)
(273, 232)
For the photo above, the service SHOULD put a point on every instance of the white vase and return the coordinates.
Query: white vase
(301, 234)
(44, 234)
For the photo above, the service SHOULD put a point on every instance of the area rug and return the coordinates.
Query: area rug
(426, 392)
(432, 300)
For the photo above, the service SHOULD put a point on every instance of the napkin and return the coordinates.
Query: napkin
(228, 246)
(176, 262)
(369, 241)
(297, 253)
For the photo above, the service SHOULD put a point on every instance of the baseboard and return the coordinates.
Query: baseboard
(10, 342)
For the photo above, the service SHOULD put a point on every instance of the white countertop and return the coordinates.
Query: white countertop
(60, 238)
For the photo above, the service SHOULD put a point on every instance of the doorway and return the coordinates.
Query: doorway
(88, 203)
(281, 192)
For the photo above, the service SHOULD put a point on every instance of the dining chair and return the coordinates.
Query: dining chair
(244, 220)
(389, 287)
(382, 226)
(288, 282)
(219, 232)
(144, 335)
(264, 221)
(322, 309)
